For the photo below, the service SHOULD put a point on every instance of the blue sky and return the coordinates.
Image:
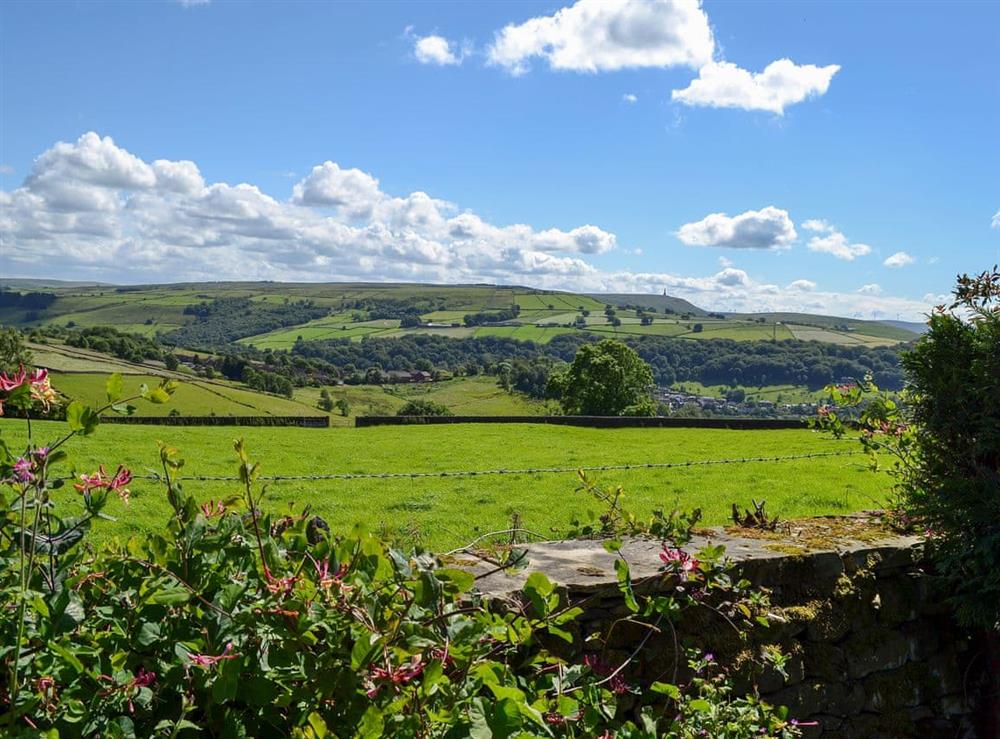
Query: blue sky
(602, 146)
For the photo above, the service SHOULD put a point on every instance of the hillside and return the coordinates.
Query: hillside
(271, 315)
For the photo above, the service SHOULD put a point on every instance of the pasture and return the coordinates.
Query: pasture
(444, 512)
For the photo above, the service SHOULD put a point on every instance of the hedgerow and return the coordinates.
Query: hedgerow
(235, 622)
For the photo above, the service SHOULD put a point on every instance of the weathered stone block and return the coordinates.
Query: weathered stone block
(814, 696)
(873, 650)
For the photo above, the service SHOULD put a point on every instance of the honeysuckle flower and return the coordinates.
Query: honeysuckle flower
(12, 381)
(100, 481)
(41, 388)
(680, 560)
(212, 508)
(23, 470)
(279, 585)
(396, 675)
(207, 660)
(143, 679)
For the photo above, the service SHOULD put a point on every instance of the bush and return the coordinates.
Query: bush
(943, 436)
(424, 408)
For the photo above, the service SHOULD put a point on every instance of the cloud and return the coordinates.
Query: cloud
(192, 3)
(818, 225)
(91, 209)
(870, 289)
(6, 169)
(801, 285)
(899, 259)
(767, 228)
(629, 98)
(834, 242)
(782, 83)
(996, 220)
(596, 35)
(436, 50)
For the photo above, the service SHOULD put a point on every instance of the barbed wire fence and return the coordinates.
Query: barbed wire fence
(340, 476)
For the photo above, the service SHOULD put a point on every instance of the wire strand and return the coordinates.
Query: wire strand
(521, 471)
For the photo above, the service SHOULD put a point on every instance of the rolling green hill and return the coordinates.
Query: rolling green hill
(362, 310)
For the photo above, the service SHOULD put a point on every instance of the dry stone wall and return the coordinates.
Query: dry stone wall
(874, 651)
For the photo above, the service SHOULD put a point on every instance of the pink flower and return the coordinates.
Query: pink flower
(143, 679)
(676, 558)
(206, 660)
(400, 675)
(279, 585)
(100, 481)
(23, 470)
(211, 509)
(12, 381)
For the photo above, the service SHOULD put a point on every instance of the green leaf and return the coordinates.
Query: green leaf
(149, 633)
(67, 655)
(318, 725)
(114, 387)
(169, 596)
(81, 418)
(667, 689)
(460, 579)
(371, 724)
(625, 585)
(701, 705)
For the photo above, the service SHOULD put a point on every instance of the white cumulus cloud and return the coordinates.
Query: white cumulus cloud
(801, 285)
(833, 242)
(598, 35)
(90, 209)
(436, 50)
(782, 83)
(767, 228)
(870, 289)
(630, 98)
(996, 219)
(899, 259)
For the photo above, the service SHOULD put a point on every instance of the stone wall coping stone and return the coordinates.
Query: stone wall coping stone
(586, 566)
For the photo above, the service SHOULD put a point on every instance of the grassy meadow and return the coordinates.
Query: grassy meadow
(444, 512)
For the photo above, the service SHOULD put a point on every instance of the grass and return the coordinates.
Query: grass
(786, 393)
(471, 396)
(192, 397)
(448, 511)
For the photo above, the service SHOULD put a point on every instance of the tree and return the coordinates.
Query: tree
(605, 379)
(343, 406)
(13, 351)
(697, 328)
(325, 401)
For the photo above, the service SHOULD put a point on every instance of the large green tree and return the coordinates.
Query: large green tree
(606, 379)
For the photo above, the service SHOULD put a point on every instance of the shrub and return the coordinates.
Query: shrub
(943, 437)
(424, 408)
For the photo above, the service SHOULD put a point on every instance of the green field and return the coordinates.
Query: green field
(192, 397)
(464, 396)
(447, 511)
